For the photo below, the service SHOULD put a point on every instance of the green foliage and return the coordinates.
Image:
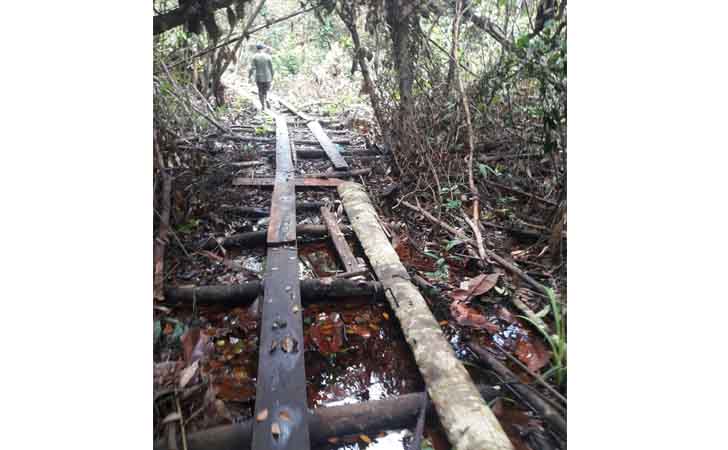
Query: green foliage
(286, 63)
(189, 227)
(557, 341)
(443, 269)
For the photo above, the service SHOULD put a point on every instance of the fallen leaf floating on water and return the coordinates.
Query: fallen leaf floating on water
(532, 353)
(386, 316)
(365, 438)
(284, 416)
(466, 316)
(475, 287)
(262, 415)
(328, 333)
(333, 440)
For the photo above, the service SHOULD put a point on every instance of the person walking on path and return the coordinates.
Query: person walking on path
(263, 68)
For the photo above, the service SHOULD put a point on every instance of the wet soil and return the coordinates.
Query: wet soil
(354, 350)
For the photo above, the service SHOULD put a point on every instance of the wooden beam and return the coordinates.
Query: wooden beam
(299, 182)
(280, 401)
(331, 151)
(244, 294)
(342, 247)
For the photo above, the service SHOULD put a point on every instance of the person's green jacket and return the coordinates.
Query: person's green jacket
(262, 65)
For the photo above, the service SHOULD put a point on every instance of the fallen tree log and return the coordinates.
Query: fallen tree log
(244, 294)
(257, 238)
(324, 423)
(467, 420)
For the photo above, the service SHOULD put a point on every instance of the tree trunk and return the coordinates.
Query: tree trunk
(244, 294)
(190, 10)
(468, 422)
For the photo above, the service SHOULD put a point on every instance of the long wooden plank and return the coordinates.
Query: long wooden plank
(280, 403)
(468, 422)
(282, 226)
(342, 247)
(336, 159)
(298, 182)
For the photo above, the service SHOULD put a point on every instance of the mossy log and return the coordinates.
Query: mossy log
(468, 422)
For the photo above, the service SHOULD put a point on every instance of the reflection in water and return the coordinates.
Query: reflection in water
(373, 363)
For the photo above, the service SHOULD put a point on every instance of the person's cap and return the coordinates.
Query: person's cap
(259, 46)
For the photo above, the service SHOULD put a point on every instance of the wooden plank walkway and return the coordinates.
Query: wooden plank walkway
(331, 151)
(281, 413)
(342, 247)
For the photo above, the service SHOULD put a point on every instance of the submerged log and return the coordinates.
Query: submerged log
(243, 294)
(467, 420)
(323, 423)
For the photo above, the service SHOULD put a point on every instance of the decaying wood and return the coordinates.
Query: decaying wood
(305, 153)
(544, 409)
(250, 211)
(299, 182)
(262, 140)
(468, 422)
(324, 423)
(257, 238)
(160, 243)
(244, 294)
(331, 151)
(339, 173)
(337, 237)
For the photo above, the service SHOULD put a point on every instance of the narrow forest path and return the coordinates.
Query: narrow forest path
(272, 182)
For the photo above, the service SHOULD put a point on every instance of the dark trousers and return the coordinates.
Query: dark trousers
(263, 88)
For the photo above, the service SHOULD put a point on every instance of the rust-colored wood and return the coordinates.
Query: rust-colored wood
(282, 225)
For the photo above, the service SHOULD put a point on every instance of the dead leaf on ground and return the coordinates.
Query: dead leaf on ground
(172, 417)
(466, 316)
(188, 374)
(195, 345)
(533, 353)
(506, 315)
(475, 287)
